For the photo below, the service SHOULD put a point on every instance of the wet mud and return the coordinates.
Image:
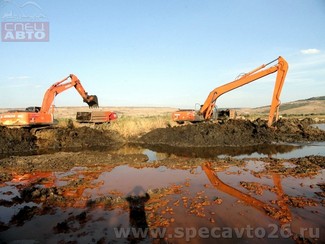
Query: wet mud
(233, 133)
(16, 140)
(77, 198)
(236, 133)
(84, 185)
(22, 141)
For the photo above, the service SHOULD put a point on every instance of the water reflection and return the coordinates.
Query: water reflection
(266, 150)
(319, 126)
(160, 152)
(102, 201)
(137, 199)
(212, 152)
(282, 213)
(86, 204)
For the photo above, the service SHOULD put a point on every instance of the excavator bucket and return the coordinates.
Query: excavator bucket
(92, 101)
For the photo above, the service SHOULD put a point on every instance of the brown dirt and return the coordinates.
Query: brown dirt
(23, 140)
(235, 133)
(65, 161)
(75, 138)
(239, 133)
(16, 140)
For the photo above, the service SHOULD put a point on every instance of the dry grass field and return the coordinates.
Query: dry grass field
(70, 112)
(131, 122)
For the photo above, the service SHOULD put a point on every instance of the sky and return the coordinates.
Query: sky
(169, 53)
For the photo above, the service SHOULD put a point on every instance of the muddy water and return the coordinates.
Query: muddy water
(320, 126)
(276, 151)
(181, 196)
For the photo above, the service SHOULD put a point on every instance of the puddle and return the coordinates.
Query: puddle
(319, 126)
(156, 152)
(85, 204)
(277, 151)
(127, 180)
(315, 148)
(178, 192)
(195, 195)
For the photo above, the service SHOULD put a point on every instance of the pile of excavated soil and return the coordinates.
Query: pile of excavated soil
(231, 133)
(234, 133)
(16, 140)
(75, 138)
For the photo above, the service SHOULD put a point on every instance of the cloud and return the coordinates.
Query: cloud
(310, 51)
(22, 77)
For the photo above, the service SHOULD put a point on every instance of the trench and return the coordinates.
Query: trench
(86, 203)
(228, 194)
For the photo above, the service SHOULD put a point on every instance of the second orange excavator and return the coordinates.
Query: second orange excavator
(41, 116)
(207, 110)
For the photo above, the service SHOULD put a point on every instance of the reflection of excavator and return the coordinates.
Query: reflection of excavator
(207, 110)
(282, 213)
(34, 116)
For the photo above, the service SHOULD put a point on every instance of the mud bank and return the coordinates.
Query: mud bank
(22, 140)
(235, 133)
(16, 140)
(75, 137)
(60, 161)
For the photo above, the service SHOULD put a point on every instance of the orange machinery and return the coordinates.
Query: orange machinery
(36, 116)
(95, 117)
(207, 110)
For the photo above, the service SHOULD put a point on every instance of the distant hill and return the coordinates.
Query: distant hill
(313, 105)
(314, 98)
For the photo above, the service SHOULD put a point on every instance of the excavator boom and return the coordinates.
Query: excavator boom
(35, 116)
(61, 86)
(207, 109)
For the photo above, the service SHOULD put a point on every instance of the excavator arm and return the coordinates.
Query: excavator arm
(206, 110)
(42, 116)
(61, 86)
(281, 67)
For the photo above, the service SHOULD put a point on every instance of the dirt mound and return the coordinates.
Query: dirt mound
(21, 140)
(16, 140)
(231, 133)
(234, 133)
(75, 138)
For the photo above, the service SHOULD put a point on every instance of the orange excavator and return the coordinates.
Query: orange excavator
(207, 110)
(39, 116)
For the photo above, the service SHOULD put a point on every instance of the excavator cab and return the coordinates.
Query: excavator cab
(92, 101)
